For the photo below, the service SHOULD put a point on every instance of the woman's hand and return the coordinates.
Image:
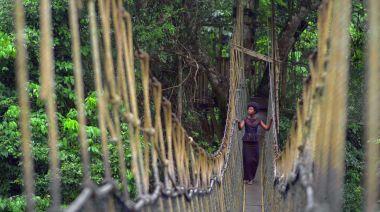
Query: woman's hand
(266, 127)
(240, 124)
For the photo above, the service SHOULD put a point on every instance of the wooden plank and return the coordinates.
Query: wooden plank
(253, 201)
(254, 54)
(253, 209)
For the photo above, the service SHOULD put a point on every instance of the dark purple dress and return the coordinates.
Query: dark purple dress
(250, 147)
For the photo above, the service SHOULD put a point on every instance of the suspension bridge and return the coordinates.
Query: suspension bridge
(171, 171)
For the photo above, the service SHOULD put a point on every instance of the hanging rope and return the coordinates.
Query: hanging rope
(372, 195)
(22, 87)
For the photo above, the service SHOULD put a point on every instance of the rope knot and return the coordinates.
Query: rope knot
(114, 139)
(132, 119)
(115, 99)
(150, 131)
(166, 163)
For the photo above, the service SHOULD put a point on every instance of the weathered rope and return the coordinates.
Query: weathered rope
(23, 99)
(372, 195)
(47, 85)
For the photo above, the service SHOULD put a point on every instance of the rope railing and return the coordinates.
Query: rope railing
(171, 172)
(314, 150)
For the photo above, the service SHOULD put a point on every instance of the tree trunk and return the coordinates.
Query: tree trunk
(206, 129)
(263, 88)
(218, 129)
(249, 31)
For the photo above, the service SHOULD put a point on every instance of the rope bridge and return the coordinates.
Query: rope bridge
(172, 172)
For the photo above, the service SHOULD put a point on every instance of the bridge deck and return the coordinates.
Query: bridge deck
(252, 194)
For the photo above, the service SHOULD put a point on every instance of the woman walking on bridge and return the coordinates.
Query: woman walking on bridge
(251, 141)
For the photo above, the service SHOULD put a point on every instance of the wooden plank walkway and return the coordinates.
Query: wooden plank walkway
(252, 194)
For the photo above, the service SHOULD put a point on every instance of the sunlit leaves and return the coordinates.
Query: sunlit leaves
(71, 125)
(12, 112)
(7, 47)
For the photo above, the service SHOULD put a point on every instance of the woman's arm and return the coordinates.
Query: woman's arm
(266, 127)
(240, 124)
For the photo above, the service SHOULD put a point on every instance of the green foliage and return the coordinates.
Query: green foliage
(357, 62)
(285, 125)
(7, 48)
(17, 203)
(353, 190)
(69, 156)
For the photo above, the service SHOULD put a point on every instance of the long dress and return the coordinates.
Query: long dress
(250, 148)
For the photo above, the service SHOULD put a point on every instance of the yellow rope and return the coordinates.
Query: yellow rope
(47, 85)
(79, 89)
(373, 118)
(23, 99)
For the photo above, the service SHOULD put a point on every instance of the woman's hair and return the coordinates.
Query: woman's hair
(254, 105)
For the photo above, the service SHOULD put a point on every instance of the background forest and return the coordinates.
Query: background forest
(188, 42)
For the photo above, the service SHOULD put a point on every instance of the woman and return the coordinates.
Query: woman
(251, 142)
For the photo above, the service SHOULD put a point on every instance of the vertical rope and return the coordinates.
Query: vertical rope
(169, 134)
(23, 98)
(47, 85)
(372, 195)
(100, 96)
(79, 89)
(157, 92)
(114, 122)
(340, 65)
(104, 10)
(99, 88)
(137, 160)
(121, 87)
(324, 27)
(148, 131)
(275, 68)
